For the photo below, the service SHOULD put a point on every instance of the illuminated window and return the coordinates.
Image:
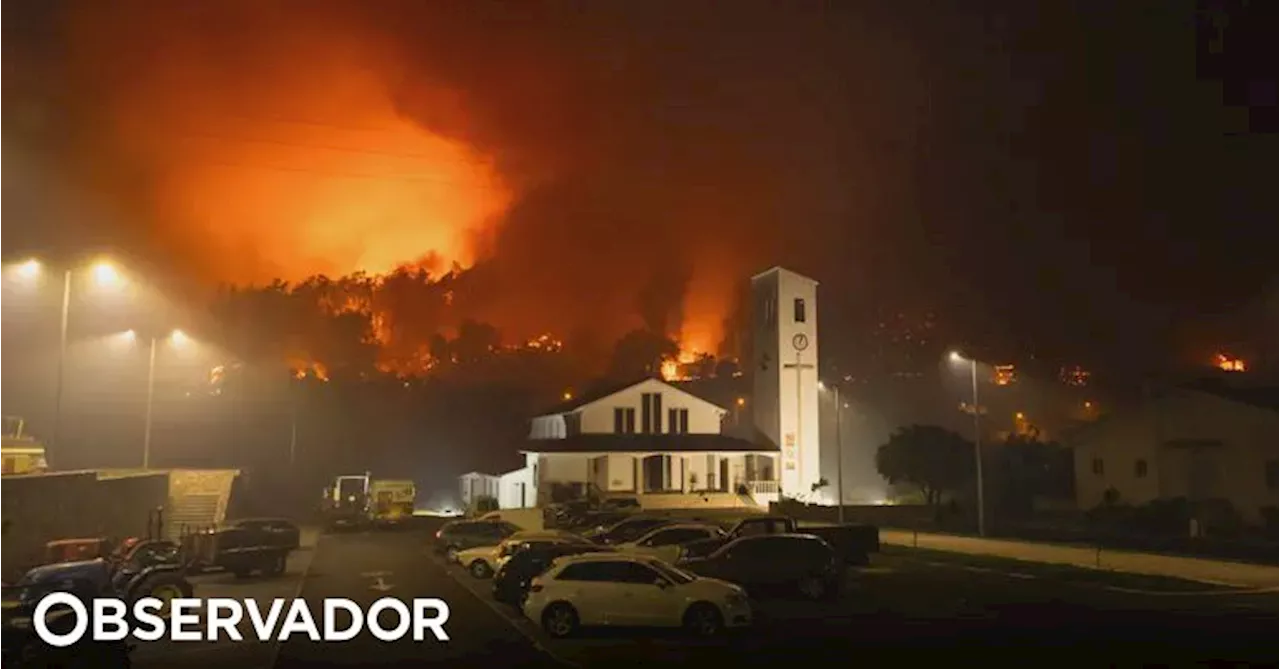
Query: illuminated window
(1097, 466)
(1140, 469)
(799, 310)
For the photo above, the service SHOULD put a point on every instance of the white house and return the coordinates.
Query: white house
(647, 439)
(474, 485)
(1200, 442)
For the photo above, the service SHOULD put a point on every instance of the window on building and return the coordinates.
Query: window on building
(631, 421)
(678, 421)
(1273, 474)
(1140, 468)
(1097, 466)
(799, 310)
(651, 413)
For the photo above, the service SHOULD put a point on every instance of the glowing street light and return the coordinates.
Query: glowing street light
(105, 275)
(957, 358)
(179, 338)
(29, 270)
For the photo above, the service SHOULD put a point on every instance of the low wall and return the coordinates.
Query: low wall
(39, 508)
(710, 500)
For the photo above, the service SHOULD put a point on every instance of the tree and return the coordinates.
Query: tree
(933, 459)
(1025, 468)
(641, 352)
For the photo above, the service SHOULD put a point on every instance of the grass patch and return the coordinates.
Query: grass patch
(1057, 572)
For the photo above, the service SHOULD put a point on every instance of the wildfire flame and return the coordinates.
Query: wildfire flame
(1229, 363)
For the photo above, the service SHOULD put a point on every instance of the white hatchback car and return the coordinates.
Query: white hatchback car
(483, 561)
(614, 589)
(664, 542)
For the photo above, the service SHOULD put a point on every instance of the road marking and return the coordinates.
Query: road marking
(517, 623)
(380, 585)
(302, 582)
(1018, 574)
(980, 570)
(375, 574)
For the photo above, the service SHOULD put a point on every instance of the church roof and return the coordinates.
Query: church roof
(649, 443)
(605, 390)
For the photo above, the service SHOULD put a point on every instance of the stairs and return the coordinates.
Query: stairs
(190, 513)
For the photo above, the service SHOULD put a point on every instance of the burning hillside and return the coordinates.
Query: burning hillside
(523, 185)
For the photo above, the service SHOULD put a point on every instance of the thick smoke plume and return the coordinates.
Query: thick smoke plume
(598, 169)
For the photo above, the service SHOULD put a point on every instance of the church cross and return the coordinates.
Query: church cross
(799, 366)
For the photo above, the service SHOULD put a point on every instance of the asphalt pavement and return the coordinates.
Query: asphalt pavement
(367, 566)
(908, 606)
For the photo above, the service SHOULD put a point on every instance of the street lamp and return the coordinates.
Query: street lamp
(839, 452)
(104, 275)
(177, 338)
(957, 358)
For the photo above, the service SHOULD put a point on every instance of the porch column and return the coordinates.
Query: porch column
(637, 472)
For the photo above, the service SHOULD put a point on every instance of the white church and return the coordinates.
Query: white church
(666, 447)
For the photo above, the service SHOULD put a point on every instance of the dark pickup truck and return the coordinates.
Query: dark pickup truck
(853, 543)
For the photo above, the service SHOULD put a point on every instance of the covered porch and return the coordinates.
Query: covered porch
(656, 473)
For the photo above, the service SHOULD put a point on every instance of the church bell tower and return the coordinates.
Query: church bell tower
(785, 349)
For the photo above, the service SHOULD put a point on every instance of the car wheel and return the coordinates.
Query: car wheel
(278, 565)
(560, 620)
(812, 588)
(480, 569)
(704, 620)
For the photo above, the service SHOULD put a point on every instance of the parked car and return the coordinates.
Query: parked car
(514, 574)
(767, 564)
(282, 532)
(612, 589)
(853, 543)
(664, 541)
(628, 529)
(460, 535)
(483, 561)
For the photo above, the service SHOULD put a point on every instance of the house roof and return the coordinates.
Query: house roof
(605, 390)
(649, 443)
(1254, 395)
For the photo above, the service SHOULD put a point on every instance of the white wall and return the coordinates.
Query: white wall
(621, 473)
(704, 417)
(516, 489)
(548, 427)
(474, 485)
(788, 418)
(1236, 471)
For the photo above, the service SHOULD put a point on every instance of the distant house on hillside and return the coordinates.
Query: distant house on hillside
(645, 438)
(1201, 441)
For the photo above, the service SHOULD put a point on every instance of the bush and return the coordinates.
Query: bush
(484, 504)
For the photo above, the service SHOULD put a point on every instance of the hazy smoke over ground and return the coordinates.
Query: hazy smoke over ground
(601, 168)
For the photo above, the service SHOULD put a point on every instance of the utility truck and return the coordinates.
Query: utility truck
(359, 501)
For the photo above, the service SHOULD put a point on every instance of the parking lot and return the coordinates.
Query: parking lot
(912, 602)
(226, 653)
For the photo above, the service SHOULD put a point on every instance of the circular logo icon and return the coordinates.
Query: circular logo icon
(800, 341)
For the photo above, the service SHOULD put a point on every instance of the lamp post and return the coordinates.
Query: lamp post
(835, 390)
(977, 439)
(104, 275)
(178, 338)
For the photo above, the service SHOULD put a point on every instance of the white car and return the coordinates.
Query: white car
(664, 542)
(615, 589)
(483, 561)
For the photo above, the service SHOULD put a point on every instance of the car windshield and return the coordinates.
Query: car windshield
(677, 575)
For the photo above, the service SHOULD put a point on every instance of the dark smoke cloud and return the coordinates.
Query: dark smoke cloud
(654, 154)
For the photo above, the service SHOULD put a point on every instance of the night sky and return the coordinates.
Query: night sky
(1088, 181)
